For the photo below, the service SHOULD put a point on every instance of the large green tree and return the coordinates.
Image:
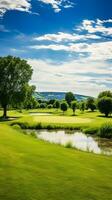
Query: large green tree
(15, 74)
(105, 105)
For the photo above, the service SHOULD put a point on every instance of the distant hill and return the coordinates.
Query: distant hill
(56, 95)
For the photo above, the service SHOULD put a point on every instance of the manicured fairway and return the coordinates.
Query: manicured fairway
(61, 119)
(87, 120)
(34, 170)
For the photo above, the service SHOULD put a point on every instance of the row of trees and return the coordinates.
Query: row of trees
(103, 103)
(16, 92)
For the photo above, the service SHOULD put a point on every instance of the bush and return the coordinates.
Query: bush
(43, 105)
(50, 106)
(68, 145)
(91, 130)
(56, 104)
(105, 130)
(16, 126)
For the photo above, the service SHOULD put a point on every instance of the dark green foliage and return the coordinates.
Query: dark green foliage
(69, 97)
(90, 104)
(56, 104)
(51, 101)
(105, 93)
(64, 106)
(106, 130)
(50, 106)
(30, 101)
(43, 105)
(105, 105)
(74, 106)
(82, 106)
(14, 77)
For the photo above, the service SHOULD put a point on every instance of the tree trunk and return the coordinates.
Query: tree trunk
(5, 111)
(106, 114)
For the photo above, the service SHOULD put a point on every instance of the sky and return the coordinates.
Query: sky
(68, 43)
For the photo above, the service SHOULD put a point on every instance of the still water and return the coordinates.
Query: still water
(77, 140)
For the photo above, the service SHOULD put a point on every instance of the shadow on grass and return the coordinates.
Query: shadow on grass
(2, 119)
(103, 116)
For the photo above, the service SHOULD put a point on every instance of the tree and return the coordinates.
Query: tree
(105, 105)
(105, 93)
(82, 106)
(74, 106)
(56, 104)
(64, 106)
(90, 104)
(30, 101)
(51, 101)
(14, 76)
(69, 97)
(43, 105)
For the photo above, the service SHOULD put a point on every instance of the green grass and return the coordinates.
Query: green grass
(36, 170)
(88, 121)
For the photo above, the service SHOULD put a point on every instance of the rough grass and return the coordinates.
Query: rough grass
(36, 170)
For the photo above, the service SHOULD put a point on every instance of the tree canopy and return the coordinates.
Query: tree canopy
(15, 74)
(69, 97)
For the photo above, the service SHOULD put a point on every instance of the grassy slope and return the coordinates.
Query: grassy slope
(34, 170)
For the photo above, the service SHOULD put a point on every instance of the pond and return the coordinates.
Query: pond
(77, 140)
(39, 114)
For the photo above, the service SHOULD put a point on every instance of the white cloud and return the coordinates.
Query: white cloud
(25, 5)
(21, 5)
(96, 26)
(58, 4)
(61, 36)
(96, 51)
(70, 76)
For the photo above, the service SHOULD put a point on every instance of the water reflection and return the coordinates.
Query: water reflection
(76, 140)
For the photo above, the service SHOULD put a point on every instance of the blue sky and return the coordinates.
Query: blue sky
(67, 42)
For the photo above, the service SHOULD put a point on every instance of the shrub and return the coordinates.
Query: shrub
(105, 130)
(50, 106)
(91, 130)
(56, 104)
(43, 105)
(68, 145)
(33, 134)
(16, 126)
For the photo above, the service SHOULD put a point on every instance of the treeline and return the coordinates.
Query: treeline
(15, 91)
(103, 103)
